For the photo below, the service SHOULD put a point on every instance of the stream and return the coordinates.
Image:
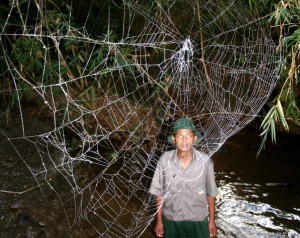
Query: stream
(259, 197)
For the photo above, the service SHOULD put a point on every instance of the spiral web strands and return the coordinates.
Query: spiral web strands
(111, 98)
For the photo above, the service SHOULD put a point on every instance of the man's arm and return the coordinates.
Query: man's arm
(159, 224)
(211, 210)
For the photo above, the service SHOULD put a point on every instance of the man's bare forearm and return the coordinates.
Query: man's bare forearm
(159, 228)
(159, 208)
(211, 207)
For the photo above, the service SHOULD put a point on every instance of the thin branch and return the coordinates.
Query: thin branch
(25, 191)
(202, 45)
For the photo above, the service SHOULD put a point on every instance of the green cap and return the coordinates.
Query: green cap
(184, 123)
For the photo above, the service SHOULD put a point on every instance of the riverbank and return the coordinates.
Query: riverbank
(269, 181)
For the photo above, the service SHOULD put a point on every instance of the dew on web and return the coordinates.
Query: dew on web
(110, 79)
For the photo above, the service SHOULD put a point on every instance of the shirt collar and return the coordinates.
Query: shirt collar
(175, 158)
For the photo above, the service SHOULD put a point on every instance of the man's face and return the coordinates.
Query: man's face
(184, 139)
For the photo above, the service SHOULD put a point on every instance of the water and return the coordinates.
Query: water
(242, 212)
(258, 197)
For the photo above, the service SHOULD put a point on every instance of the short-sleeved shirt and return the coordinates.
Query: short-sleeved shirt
(184, 191)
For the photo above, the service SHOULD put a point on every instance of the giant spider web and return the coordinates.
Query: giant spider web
(111, 83)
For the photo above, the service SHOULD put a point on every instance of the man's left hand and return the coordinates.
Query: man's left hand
(212, 228)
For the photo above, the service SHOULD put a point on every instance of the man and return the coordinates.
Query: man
(185, 188)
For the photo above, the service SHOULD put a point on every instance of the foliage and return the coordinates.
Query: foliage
(33, 58)
(274, 115)
(43, 50)
(43, 54)
(286, 101)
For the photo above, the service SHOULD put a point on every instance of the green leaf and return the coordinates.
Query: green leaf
(281, 115)
(93, 93)
(250, 4)
(273, 131)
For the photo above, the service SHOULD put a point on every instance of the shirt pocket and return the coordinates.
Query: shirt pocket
(200, 190)
(199, 196)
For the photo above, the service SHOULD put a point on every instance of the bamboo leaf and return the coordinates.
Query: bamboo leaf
(250, 4)
(263, 133)
(84, 92)
(93, 93)
(273, 131)
(280, 109)
(281, 115)
(268, 125)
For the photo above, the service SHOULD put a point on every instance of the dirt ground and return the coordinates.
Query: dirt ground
(30, 208)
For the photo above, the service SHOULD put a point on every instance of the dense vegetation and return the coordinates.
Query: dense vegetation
(39, 66)
(285, 101)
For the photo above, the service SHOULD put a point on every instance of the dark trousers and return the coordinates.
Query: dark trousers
(185, 229)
